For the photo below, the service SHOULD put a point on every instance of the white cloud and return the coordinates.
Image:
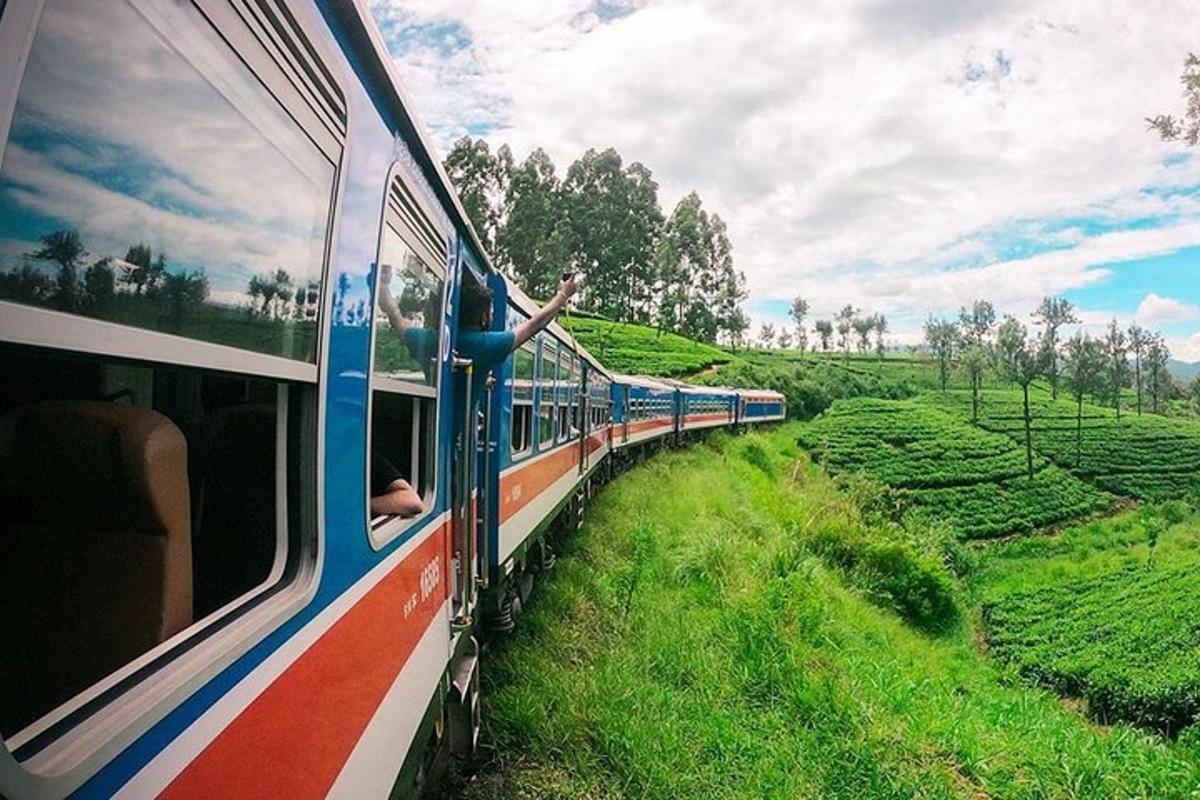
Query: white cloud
(1185, 348)
(1155, 310)
(855, 149)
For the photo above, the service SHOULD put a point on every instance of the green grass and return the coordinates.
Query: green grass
(715, 631)
(946, 472)
(1106, 612)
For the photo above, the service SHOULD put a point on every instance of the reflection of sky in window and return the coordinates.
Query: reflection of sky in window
(117, 136)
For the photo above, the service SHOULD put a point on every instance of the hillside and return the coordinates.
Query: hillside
(642, 350)
(729, 624)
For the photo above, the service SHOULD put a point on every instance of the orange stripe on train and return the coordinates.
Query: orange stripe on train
(294, 739)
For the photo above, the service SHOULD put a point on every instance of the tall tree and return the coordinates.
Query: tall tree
(1117, 356)
(1083, 368)
(615, 225)
(1158, 357)
(480, 179)
(534, 242)
(1139, 338)
(682, 262)
(1021, 360)
(1052, 314)
(845, 324)
(880, 324)
(766, 335)
(799, 312)
(824, 330)
(64, 248)
(974, 359)
(736, 325)
(942, 337)
(1184, 129)
(862, 329)
(785, 338)
(975, 324)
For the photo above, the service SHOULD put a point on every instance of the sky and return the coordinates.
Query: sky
(903, 156)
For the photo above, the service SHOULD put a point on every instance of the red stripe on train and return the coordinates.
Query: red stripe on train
(293, 740)
(522, 485)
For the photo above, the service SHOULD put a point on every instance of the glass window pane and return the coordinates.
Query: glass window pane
(159, 184)
(523, 360)
(408, 320)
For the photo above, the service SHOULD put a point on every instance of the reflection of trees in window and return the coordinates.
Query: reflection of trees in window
(64, 249)
(151, 230)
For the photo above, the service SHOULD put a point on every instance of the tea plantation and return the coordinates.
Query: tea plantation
(642, 350)
(1146, 457)
(945, 471)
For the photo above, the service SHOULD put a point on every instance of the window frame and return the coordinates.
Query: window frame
(124, 705)
(45, 327)
(383, 530)
(523, 453)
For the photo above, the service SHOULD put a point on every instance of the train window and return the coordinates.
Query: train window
(547, 383)
(406, 363)
(408, 319)
(151, 179)
(565, 396)
(521, 430)
(139, 503)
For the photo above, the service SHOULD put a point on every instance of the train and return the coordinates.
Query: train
(204, 205)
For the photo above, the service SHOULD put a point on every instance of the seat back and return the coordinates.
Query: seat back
(95, 532)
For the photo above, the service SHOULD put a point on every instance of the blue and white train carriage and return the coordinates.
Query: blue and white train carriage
(201, 203)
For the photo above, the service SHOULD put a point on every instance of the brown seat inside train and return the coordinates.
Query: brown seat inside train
(96, 538)
(234, 471)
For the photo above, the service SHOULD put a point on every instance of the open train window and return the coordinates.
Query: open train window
(140, 504)
(406, 364)
(521, 428)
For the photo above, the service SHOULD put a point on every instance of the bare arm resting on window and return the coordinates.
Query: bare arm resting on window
(399, 499)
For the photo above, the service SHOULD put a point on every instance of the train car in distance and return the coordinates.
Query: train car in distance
(761, 405)
(262, 491)
(644, 410)
(703, 407)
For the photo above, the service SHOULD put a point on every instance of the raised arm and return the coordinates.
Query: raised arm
(546, 314)
(387, 303)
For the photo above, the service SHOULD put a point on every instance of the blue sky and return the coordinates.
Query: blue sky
(903, 157)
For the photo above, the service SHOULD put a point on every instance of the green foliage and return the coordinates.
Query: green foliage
(944, 471)
(693, 641)
(641, 350)
(1126, 641)
(1016, 505)
(1147, 457)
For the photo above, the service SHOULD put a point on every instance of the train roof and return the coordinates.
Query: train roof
(642, 380)
(761, 394)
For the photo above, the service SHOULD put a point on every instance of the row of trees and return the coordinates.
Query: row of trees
(976, 343)
(140, 273)
(849, 329)
(604, 221)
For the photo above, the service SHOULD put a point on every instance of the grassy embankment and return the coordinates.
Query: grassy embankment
(728, 624)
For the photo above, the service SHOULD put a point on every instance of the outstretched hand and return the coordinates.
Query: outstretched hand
(568, 286)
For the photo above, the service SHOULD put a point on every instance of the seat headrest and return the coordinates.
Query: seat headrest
(94, 466)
